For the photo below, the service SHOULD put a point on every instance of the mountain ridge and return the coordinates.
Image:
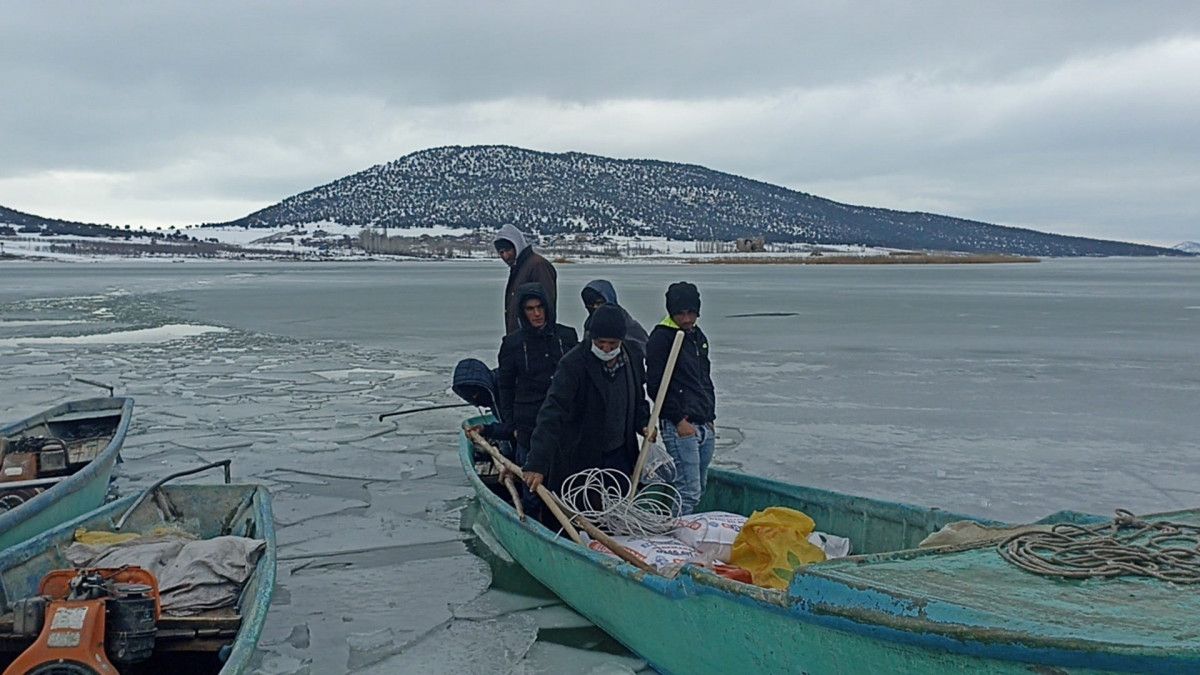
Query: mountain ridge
(572, 192)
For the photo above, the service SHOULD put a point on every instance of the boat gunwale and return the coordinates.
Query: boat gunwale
(85, 475)
(986, 643)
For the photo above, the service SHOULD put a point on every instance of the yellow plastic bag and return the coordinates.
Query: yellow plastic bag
(773, 543)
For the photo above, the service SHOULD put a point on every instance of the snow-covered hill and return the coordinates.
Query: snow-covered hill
(1188, 247)
(488, 186)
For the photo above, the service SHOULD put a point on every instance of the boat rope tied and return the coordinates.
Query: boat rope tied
(602, 496)
(1127, 546)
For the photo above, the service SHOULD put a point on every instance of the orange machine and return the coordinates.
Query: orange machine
(86, 620)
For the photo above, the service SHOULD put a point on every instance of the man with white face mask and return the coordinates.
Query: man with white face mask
(595, 408)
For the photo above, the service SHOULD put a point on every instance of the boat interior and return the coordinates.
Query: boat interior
(39, 454)
(182, 644)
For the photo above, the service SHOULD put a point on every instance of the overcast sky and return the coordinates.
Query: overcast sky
(1078, 118)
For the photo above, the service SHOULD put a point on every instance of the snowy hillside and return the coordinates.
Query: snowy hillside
(488, 186)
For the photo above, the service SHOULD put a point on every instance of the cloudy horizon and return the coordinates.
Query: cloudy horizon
(1073, 118)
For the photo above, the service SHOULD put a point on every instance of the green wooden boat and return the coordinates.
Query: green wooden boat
(890, 608)
(219, 641)
(77, 444)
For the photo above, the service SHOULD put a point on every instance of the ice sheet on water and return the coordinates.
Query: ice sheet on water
(548, 658)
(386, 608)
(367, 529)
(291, 508)
(490, 646)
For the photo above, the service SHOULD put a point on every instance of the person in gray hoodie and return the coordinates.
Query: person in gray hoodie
(601, 292)
(524, 266)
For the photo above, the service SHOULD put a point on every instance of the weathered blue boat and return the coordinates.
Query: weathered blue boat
(71, 449)
(218, 641)
(890, 608)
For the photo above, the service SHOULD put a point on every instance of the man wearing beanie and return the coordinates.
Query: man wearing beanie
(594, 409)
(690, 407)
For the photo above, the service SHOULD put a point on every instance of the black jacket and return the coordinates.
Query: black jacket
(691, 393)
(528, 359)
(570, 425)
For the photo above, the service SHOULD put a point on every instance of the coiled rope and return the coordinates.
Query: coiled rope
(1126, 546)
(602, 496)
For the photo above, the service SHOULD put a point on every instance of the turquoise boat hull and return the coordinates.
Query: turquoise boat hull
(832, 621)
(78, 493)
(204, 510)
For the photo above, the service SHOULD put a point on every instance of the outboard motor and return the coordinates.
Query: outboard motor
(87, 620)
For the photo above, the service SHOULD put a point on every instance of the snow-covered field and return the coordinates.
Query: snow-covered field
(328, 241)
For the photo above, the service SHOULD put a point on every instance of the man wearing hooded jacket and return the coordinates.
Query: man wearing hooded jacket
(594, 409)
(528, 359)
(524, 266)
(601, 292)
(690, 407)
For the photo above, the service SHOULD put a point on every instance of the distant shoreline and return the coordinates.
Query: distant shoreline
(893, 259)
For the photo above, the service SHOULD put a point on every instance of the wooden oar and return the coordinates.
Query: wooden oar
(652, 428)
(556, 507)
(541, 491)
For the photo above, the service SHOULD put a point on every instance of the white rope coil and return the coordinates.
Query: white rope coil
(602, 496)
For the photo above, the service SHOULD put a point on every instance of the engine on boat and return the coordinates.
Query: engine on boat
(86, 621)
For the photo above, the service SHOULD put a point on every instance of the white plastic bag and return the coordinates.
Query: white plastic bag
(711, 533)
(832, 545)
(660, 466)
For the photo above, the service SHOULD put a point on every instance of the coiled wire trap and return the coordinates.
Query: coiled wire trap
(602, 496)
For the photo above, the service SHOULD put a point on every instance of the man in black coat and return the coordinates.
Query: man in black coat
(689, 409)
(594, 410)
(528, 359)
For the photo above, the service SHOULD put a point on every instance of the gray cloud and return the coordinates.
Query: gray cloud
(1074, 117)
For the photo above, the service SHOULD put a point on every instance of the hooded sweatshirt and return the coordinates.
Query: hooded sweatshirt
(633, 330)
(528, 267)
(528, 359)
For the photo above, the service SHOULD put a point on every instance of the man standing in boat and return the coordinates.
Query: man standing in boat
(689, 410)
(601, 292)
(524, 266)
(595, 407)
(528, 359)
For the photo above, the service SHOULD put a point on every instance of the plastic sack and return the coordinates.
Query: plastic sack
(660, 466)
(833, 545)
(658, 552)
(772, 544)
(711, 533)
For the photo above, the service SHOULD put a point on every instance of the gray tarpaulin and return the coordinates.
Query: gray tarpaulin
(193, 575)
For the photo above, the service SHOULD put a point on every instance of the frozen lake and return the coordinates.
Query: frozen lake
(1009, 391)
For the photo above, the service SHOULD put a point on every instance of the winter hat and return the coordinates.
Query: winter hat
(681, 296)
(607, 323)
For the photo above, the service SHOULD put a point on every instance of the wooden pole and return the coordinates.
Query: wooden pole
(658, 403)
(542, 492)
(516, 496)
(556, 507)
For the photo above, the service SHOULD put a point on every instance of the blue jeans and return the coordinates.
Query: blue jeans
(692, 456)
